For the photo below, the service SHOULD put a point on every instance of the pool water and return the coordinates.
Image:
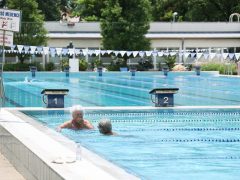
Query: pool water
(162, 144)
(120, 89)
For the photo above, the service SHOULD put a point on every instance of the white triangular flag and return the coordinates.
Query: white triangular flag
(52, 52)
(141, 53)
(59, 51)
(85, 52)
(97, 52)
(122, 53)
(46, 50)
(26, 49)
(39, 50)
(116, 53)
(160, 53)
(225, 55)
(129, 53)
(64, 51)
(231, 56)
(173, 53)
(212, 55)
(166, 53)
(199, 55)
(154, 53)
(237, 55)
(109, 51)
(20, 48)
(186, 54)
(103, 52)
(71, 51)
(148, 53)
(77, 52)
(32, 49)
(90, 52)
(205, 55)
(135, 53)
(193, 55)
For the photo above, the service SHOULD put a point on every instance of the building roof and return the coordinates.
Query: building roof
(157, 30)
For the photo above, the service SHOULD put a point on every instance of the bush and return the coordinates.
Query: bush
(116, 64)
(83, 65)
(144, 64)
(168, 61)
(96, 63)
(21, 66)
(64, 63)
(49, 66)
(222, 68)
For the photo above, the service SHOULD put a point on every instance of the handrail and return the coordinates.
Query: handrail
(232, 15)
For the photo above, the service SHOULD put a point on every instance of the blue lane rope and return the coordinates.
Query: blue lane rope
(190, 129)
(169, 120)
(197, 140)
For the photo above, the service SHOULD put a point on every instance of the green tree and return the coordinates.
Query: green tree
(217, 10)
(89, 10)
(32, 31)
(194, 10)
(124, 24)
(50, 9)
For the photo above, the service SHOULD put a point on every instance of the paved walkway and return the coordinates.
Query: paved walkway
(7, 171)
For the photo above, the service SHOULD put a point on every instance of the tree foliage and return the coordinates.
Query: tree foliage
(89, 10)
(32, 30)
(50, 9)
(194, 10)
(124, 24)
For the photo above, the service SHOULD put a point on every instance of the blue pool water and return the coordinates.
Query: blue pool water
(163, 144)
(120, 89)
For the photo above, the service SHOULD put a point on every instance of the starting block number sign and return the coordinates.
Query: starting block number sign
(10, 20)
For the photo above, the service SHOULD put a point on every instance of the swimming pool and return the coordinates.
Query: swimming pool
(120, 89)
(163, 144)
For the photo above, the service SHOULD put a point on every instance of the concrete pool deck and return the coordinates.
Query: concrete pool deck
(8, 171)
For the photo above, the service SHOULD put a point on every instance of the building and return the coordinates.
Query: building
(163, 35)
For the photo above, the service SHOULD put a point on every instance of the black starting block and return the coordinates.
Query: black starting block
(54, 97)
(163, 96)
(33, 70)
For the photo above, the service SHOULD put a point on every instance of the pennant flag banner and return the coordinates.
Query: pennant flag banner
(72, 51)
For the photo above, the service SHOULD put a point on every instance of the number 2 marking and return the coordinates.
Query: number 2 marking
(165, 100)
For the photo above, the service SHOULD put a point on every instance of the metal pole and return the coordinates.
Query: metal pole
(1, 74)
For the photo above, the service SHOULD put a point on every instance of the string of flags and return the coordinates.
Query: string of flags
(52, 51)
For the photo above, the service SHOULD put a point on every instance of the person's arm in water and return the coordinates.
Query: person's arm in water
(67, 124)
(88, 125)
